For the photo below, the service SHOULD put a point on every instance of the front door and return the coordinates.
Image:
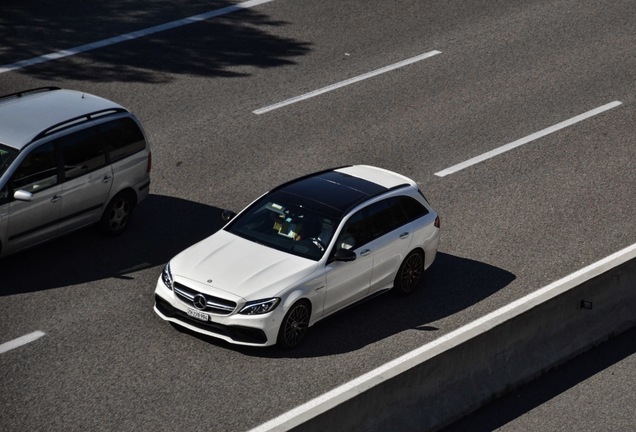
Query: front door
(35, 220)
(348, 282)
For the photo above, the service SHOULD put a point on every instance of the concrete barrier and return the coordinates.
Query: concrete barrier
(458, 373)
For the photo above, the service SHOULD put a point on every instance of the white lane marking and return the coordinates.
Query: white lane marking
(527, 139)
(133, 35)
(358, 385)
(346, 82)
(15, 343)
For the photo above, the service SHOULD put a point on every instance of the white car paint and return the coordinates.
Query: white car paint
(228, 266)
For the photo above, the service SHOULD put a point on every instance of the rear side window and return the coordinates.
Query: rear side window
(381, 220)
(122, 137)
(38, 171)
(82, 152)
(412, 208)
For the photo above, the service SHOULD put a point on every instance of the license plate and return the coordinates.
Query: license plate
(198, 315)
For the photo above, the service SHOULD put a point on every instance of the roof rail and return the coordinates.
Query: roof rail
(25, 92)
(77, 120)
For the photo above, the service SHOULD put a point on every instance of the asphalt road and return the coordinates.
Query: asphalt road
(512, 224)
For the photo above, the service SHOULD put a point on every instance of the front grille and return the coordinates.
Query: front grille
(237, 333)
(213, 304)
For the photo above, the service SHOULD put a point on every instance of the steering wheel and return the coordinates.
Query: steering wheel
(318, 243)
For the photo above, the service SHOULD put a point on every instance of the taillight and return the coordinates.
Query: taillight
(437, 222)
(149, 166)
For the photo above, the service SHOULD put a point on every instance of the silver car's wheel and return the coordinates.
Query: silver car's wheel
(294, 325)
(410, 273)
(117, 214)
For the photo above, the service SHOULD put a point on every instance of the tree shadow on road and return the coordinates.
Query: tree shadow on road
(223, 46)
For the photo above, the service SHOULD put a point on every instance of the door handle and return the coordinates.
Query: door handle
(404, 235)
(56, 198)
(365, 252)
(107, 178)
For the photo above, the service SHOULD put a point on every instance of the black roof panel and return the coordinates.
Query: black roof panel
(334, 189)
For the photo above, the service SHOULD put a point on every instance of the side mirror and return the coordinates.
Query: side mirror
(344, 255)
(228, 215)
(22, 195)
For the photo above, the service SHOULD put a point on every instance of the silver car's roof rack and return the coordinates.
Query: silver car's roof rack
(30, 91)
(77, 120)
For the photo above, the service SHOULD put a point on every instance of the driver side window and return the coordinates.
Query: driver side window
(355, 232)
(38, 171)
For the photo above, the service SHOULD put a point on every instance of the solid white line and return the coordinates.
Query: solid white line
(346, 82)
(15, 343)
(527, 139)
(131, 36)
(296, 416)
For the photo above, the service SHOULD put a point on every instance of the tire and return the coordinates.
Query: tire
(116, 217)
(294, 325)
(410, 273)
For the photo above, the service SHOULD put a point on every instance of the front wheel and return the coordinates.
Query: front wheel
(294, 325)
(117, 215)
(410, 273)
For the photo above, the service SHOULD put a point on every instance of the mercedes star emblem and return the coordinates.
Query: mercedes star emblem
(199, 301)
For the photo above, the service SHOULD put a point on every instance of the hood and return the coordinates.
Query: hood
(240, 267)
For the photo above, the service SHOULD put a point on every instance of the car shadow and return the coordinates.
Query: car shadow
(450, 285)
(161, 227)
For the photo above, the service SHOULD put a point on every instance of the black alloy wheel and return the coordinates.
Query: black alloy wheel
(294, 325)
(409, 274)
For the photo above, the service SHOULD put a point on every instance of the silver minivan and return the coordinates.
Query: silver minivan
(68, 159)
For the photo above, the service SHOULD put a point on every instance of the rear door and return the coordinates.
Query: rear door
(391, 241)
(128, 153)
(87, 179)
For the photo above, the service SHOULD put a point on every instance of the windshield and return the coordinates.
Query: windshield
(7, 155)
(280, 222)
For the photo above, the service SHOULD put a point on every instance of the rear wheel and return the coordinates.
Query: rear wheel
(294, 325)
(117, 215)
(410, 273)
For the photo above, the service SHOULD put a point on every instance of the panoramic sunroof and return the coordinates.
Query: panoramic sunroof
(334, 189)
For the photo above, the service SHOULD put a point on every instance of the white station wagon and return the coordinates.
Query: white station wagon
(68, 159)
(300, 253)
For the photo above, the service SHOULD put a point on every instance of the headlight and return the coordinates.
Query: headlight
(258, 307)
(166, 276)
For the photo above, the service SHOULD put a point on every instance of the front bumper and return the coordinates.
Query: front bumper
(249, 330)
